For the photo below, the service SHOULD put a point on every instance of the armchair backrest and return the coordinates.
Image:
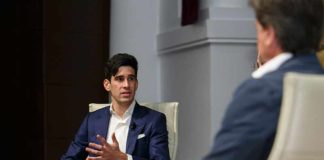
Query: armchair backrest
(170, 109)
(300, 128)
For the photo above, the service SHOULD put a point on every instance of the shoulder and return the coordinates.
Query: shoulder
(149, 111)
(266, 85)
(100, 113)
(147, 114)
(253, 93)
(256, 100)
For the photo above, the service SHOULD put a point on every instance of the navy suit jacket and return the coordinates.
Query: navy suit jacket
(144, 121)
(249, 125)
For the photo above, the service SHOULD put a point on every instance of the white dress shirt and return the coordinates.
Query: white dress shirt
(271, 65)
(120, 125)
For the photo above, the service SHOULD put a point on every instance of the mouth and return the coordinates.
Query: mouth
(126, 94)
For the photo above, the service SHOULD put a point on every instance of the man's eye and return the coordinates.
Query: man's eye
(132, 78)
(119, 79)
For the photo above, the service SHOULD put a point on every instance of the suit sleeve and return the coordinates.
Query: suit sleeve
(158, 146)
(249, 125)
(76, 150)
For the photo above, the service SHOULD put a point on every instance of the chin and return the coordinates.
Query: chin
(126, 100)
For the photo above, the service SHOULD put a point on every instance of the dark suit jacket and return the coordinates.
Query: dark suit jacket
(144, 121)
(249, 125)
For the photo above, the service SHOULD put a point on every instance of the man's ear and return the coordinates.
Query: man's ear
(107, 85)
(270, 36)
(272, 42)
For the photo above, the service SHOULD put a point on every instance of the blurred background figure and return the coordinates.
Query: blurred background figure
(320, 53)
(287, 41)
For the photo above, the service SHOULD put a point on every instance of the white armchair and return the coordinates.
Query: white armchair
(300, 128)
(170, 109)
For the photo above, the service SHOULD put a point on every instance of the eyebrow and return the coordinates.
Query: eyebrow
(124, 76)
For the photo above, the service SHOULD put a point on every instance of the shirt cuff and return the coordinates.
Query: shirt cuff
(129, 157)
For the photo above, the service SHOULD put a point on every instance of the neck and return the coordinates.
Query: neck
(272, 53)
(120, 108)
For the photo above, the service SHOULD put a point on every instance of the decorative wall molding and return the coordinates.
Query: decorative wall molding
(235, 26)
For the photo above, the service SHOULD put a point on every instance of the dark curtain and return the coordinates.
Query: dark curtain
(189, 12)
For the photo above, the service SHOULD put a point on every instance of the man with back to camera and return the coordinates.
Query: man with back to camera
(288, 35)
(133, 131)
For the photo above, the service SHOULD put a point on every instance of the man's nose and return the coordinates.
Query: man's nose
(126, 83)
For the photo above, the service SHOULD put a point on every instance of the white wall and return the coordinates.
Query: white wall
(229, 3)
(168, 15)
(185, 77)
(134, 25)
(231, 64)
(198, 65)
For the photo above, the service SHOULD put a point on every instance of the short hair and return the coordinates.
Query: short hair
(297, 23)
(118, 60)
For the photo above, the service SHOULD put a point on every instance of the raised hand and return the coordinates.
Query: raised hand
(105, 151)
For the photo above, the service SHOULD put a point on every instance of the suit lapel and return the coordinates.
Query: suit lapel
(136, 127)
(102, 123)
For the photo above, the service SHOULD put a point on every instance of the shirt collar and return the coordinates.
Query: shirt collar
(271, 65)
(128, 112)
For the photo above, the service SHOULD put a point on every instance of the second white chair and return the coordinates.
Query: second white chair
(300, 128)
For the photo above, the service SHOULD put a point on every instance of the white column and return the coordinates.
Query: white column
(202, 64)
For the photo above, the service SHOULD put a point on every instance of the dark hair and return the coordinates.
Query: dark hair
(118, 60)
(297, 23)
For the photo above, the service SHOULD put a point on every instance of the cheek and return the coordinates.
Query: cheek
(114, 88)
(261, 45)
(135, 86)
(261, 50)
(261, 53)
(260, 40)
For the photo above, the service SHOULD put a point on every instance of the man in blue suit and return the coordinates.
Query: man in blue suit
(288, 35)
(132, 131)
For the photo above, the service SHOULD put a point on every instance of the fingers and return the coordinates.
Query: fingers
(95, 146)
(103, 150)
(104, 144)
(93, 158)
(101, 139)
(97, 149)
(94, 151)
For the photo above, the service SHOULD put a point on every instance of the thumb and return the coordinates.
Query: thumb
(114, 139)
(115, 144)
